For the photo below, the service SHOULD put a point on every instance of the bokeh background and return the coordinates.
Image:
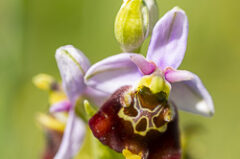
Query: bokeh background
(31, 31)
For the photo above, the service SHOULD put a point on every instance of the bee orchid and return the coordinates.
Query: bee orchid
(140, 118)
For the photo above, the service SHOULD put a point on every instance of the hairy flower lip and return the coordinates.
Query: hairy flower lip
(117, 133)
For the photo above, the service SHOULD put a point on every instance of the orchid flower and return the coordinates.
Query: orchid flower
(73, 64)
(165, 53)
(53, 124)
(140, 118)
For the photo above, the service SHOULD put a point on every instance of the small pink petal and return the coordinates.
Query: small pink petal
(172, 75)
(145, 67)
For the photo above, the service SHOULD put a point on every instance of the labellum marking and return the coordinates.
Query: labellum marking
(114, 125)
(147, 111)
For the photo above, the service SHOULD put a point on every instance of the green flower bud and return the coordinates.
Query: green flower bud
(134, 22)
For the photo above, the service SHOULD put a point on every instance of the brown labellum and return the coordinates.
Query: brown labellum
(142, 127)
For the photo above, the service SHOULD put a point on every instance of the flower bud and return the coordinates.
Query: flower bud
(133, 23)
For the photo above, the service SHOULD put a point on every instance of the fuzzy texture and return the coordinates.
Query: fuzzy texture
(118, 133)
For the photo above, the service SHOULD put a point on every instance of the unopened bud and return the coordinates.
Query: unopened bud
(134, 22)
(131, 25)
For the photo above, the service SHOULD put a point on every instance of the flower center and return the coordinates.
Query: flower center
(147, 108)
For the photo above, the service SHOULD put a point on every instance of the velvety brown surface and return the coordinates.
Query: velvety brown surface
(118, 133)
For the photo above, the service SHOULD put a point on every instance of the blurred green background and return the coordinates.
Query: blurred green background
(31, 31)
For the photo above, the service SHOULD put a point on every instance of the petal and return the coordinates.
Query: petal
(113, 72)
(60, 106)
(153, 13)
(146, 67)
(189, 94)
(72, 138)
(169, 39)
(72, 64)
(96, 96)
(173, 75)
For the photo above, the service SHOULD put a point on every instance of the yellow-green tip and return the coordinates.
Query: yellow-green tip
(89, 109)
(155, 83)
(129, 155)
